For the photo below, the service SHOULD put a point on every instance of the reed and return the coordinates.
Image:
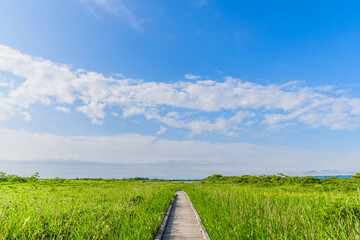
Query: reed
(233, 211)
(83, 210)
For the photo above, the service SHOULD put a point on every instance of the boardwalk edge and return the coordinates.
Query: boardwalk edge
(162, 228)
(203, 230)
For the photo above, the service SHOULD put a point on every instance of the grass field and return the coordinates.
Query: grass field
(247, 207)
(233, 211)
(83, 209)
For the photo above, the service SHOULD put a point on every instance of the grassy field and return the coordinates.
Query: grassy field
(233, 211)
(82, 209)
(246, 207)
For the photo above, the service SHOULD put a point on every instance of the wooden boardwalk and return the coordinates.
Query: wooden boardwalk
(183, 222)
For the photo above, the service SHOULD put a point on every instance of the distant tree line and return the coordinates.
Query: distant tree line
(15, 178)
(262, 180)
(282, 179)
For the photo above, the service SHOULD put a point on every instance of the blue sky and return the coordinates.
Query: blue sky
(184, 89)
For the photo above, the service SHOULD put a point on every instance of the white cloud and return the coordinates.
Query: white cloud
(228, 158)
(94, 110)
(206, 82)
(191, 76)
(4, 84)
(240, 116)
(26, 116)
(97, 96)
(162, 130)
(133, 111)
(6, 109)
(63, 109)
(221, 125)
(117, 8)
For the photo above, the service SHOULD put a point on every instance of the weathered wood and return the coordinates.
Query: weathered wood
(183, 222)
(161, 231)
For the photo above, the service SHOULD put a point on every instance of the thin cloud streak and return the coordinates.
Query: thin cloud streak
(117, 8)
(19, 147)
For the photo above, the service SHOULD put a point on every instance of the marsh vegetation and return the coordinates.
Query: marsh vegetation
(246, 207)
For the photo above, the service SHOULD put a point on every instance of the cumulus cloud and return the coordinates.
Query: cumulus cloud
(198, 126)
(63, 109)
(133, 111)
(226, 106)
(162, 130)
(26, 116)
(191, 76)
(94, 110)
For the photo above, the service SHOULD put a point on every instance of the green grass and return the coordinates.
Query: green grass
(233, 211)
(110, 209)
(83, 210)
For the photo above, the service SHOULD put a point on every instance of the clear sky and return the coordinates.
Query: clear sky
(179, 89)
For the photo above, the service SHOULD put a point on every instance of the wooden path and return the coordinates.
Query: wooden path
(183, 221)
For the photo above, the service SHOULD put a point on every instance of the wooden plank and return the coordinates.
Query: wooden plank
(183, 222)
(161, 231)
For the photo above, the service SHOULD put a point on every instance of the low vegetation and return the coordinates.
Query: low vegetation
(78, 209)
(244, 207)
(278, 207)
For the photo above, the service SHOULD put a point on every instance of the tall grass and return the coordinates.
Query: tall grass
(133, 210)
(231, 211)
(83, 210)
